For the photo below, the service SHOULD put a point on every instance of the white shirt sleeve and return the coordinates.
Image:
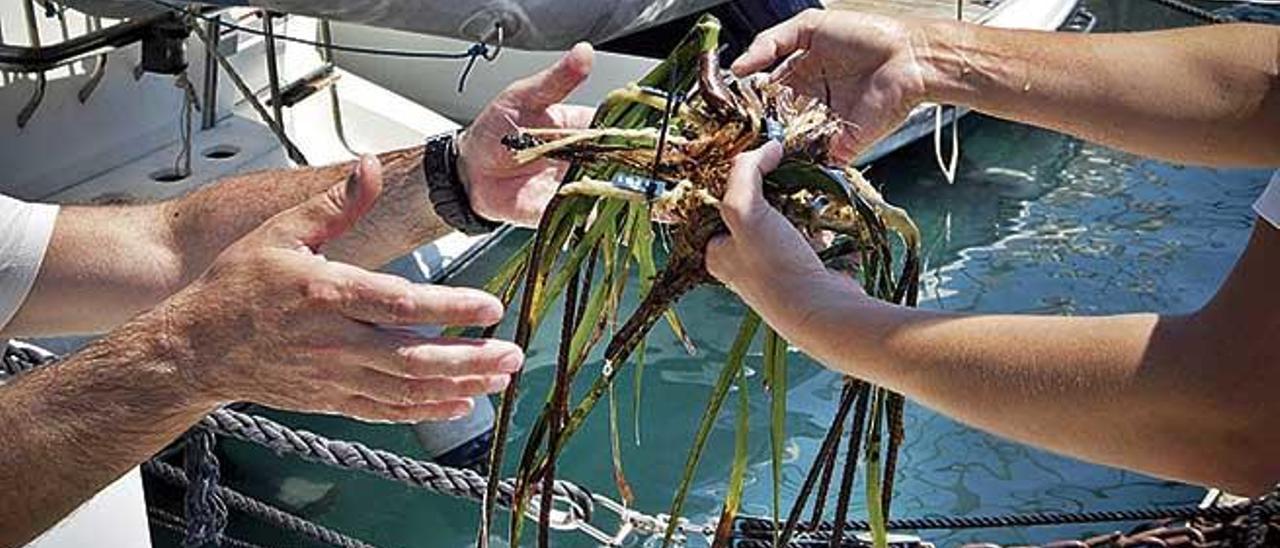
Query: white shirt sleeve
(1268, 205)
(25, 230)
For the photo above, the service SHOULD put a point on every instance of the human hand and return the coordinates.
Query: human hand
(865, 67)
(763, 258)
(499, 188)
(273, 322)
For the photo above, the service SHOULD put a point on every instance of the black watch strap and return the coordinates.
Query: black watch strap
(445, 190)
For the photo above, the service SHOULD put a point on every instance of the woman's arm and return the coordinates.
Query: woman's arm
(1188, 397)
(1205, 95)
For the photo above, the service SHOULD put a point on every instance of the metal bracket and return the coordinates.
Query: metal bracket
(1082, 20)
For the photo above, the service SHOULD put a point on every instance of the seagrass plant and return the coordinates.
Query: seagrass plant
(660, 149)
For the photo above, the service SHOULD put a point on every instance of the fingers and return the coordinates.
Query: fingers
(446, 356)
(395, 390)
(368, 409)
(744, 198)
(399, 378)
(772, 45)
(556, 82)
(385, 299)
(327, 215)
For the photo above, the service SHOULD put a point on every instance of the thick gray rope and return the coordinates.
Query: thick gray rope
(455, 482)
(258, 509)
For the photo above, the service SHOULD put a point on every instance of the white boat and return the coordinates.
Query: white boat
(80, 122)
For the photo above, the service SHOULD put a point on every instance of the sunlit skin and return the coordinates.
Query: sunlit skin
(1190, 397)
(255, 289)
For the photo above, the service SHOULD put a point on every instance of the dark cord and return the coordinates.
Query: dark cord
(477, 49)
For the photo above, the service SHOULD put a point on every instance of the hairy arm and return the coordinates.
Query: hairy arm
(107, 264)
(1206, 95)
(55, 441)
(269, 321)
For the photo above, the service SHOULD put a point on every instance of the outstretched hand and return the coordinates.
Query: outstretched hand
(274, 322)
(499, 188)
(865, 67)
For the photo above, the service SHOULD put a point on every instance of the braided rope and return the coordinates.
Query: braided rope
(455, 482)
(757, 526)
(204, 506)
(258, 509)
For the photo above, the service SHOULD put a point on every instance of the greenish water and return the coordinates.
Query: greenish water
(1038, 223)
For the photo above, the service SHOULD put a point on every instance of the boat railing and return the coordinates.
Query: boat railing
(38, 57)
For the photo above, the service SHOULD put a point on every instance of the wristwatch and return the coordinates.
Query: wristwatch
(445, 189)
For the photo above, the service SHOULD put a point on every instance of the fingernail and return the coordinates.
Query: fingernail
(499, 383)
(352, 183)
(511, 363)
(367, 161)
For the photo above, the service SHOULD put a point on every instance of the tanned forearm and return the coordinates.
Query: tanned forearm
(206, 221)
(1187, 397)
(1207, 95)
(107, 264)
(67, 431)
